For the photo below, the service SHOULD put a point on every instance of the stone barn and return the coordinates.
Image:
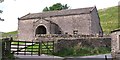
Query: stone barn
(83, 21)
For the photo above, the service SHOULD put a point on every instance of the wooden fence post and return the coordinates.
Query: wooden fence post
(105, 57)
(3, 48)
(25, 48)
(6, 48)
(32, 48)
(39, 49)
(17, 47)
(53, 47)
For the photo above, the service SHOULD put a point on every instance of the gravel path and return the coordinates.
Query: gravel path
(36, 57)
(47, 57)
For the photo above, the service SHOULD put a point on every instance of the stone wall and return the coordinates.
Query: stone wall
(83, 42)
(95, 23)
(71, 22)
(25, 30)
(115, 44)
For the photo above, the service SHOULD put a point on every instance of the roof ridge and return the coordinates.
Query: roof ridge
(58, 13)
(65, 10)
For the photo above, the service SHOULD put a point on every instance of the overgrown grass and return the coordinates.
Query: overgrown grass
(84, 51)
(109, 19)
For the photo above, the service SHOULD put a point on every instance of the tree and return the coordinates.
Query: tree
(46, 9)
(1, 1)
(65, 6)
(1, 10)
(57, 6)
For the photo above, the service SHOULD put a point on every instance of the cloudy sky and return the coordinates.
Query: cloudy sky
(12, 9)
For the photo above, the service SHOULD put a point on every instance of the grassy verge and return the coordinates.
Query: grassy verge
(84, 51)
(10, 34)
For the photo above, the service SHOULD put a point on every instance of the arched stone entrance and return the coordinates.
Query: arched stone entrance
(41, 30)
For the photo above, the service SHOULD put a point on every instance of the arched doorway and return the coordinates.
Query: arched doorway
(41, 30)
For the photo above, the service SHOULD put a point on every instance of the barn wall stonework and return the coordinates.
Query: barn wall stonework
(54, 29)
(25, 30)
(70, 23)
(95, 23)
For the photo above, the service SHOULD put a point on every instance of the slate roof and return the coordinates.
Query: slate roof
(58, 13)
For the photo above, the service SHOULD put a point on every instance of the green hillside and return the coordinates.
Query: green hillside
(109, 19)
(8, 34)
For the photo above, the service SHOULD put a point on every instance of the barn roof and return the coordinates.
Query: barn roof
(58, 13)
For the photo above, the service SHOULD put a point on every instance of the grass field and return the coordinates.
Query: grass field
(109, 19)
(10, 34)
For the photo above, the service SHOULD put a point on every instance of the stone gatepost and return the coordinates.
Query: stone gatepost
(115, 44)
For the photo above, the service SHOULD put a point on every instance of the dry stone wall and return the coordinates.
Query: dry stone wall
(83, 42)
